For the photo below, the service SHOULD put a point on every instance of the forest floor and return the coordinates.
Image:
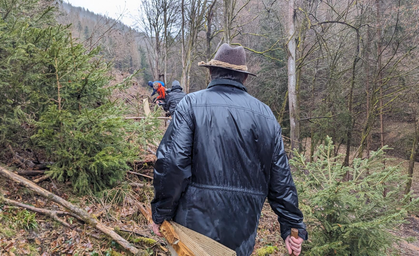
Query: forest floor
(23, 232)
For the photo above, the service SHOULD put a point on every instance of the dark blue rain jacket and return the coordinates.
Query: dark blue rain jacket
(221, 157)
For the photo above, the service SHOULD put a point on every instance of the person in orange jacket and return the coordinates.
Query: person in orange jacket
(160, 91)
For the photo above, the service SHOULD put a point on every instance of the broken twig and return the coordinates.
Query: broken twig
(140, 174)
(74, 209)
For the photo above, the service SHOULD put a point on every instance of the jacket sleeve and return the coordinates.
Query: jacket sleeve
(282, 193)
(166, 106)
(173, 166)
(154, 92)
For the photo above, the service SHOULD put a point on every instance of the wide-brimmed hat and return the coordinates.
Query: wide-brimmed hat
(227, 57)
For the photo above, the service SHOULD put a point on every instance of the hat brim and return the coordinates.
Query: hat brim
(215, 66)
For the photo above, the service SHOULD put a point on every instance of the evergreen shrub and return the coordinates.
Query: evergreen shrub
(351, 217)
(56, 101)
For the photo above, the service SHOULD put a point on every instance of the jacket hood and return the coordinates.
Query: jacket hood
(176, 85)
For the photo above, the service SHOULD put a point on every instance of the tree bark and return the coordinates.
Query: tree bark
(350, 102)
(292, 93)
(366, 132)
(183, 77)
(379, 67)
(72, 208)
(210, 16)
(414, 152)
(227, 18)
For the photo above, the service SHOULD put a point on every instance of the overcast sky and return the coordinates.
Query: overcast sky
(111, 8)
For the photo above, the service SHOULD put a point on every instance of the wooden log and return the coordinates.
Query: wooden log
(72, 208)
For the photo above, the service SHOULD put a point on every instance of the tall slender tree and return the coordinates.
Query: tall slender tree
(292, 90)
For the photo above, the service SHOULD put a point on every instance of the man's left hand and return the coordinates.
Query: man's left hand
(293, 245)
(156, 229)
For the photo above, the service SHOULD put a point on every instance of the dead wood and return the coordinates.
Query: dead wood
(133, 232)
(30, 172)
(151, 151)
(140, 174)
(144, 117)
(72, 208)
(42, 166)
(50, 213)
(45, 177)
(139, 185)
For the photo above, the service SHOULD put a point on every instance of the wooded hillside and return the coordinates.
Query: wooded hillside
(356, 61)
(69, 79)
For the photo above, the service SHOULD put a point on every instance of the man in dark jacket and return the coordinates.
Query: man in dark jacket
(174, 97)
(221, 157)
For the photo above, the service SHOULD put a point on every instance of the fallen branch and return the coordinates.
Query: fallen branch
(143, 239)
(132, 232)
(45, 177)
(74, 209)
(139, 185)
(42, 166)
(30, 173)
(144, 117)
(140, 174)
(151, 151)
(50, 213)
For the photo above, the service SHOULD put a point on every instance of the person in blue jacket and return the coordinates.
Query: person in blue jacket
(150, 83)
(221, 157)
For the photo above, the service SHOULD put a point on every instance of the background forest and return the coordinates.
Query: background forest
(356, 63)
(69, 78)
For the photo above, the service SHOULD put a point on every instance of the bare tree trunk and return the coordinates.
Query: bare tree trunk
(414, 152)
(292, 93)
(367, 88)
(313, 86)
(165, 39)
(370, 115)
(350, 102)
(210, 16)
(156, 60)
(379, 67)
(183, 77)
(196, 17)
(227, 18)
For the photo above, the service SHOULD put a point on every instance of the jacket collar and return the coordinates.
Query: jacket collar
(227, 82)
